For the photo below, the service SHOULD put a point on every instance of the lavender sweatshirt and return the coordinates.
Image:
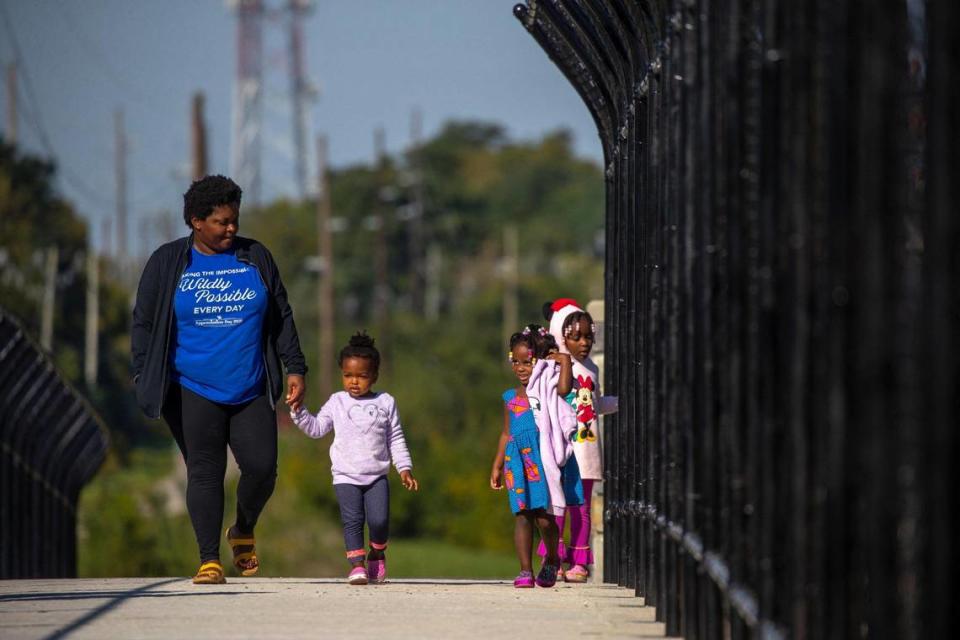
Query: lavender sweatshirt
(367, 434)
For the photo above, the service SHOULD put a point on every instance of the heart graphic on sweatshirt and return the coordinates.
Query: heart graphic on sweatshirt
(366, 416)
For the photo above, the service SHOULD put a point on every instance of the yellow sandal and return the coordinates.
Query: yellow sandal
(210, 572)
(242, 559)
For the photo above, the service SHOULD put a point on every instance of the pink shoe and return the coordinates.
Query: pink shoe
(524, 580)
(377, 571)
(577, 573)
(357, 576)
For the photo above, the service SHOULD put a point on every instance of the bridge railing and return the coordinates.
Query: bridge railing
(781, 307)
(51, 444)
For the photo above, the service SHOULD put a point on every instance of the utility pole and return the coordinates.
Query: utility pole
(510, 259)
(434, 267)
(326, 316)
(148, 237)
(417, 280)
(12, 103)
(198, 138)
(105, 234)
(49, 297)
(121, 179)
(91, 347)
(381, 291)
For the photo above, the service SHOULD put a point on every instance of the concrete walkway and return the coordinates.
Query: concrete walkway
(312, 608)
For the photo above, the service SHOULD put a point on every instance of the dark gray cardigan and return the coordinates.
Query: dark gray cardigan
(153, 321)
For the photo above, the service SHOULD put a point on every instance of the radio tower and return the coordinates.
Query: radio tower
(301, 96)
(247, 98)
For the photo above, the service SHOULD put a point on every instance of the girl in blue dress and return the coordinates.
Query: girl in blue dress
(518, 467)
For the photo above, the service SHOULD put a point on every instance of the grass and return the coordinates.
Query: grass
(421, 558)
(132, 522)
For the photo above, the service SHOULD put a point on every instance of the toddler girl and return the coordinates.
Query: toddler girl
(573, 329)
(367, 435)
(533, 480)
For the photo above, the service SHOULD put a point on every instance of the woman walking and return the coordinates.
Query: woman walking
(212, 332)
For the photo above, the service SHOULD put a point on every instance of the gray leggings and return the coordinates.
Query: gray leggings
(359, 503)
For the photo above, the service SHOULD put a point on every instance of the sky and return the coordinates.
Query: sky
(372, 61)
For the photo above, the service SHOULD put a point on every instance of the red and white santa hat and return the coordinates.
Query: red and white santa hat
(556, 312)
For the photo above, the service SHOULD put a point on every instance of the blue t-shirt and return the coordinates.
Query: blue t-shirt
(219, 308)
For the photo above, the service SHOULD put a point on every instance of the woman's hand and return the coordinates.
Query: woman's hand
(409, 482)
(496, 476)
(296, 389)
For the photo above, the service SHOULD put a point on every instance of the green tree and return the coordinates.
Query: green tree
(33, 218)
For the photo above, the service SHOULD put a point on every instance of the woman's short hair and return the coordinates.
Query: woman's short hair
(209, 192)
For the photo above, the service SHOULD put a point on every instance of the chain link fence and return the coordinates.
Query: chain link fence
(52, 443)
(781, 307)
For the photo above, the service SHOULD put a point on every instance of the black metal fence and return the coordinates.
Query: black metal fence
(781, 307)
(52, 443)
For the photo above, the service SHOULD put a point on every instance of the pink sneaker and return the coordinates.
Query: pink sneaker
(357, 576)
(377, 571)
(524, 580)
(577, 573)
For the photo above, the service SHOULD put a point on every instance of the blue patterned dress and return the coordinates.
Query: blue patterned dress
(522, 468)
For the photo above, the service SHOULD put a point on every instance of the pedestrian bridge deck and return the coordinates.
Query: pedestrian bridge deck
(310, 608)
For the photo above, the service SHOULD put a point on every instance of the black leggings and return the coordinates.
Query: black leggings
(203, 429)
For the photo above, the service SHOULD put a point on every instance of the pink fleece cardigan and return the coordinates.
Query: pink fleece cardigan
(556, 422)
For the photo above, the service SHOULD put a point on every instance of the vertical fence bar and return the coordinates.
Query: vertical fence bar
(941, 323)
